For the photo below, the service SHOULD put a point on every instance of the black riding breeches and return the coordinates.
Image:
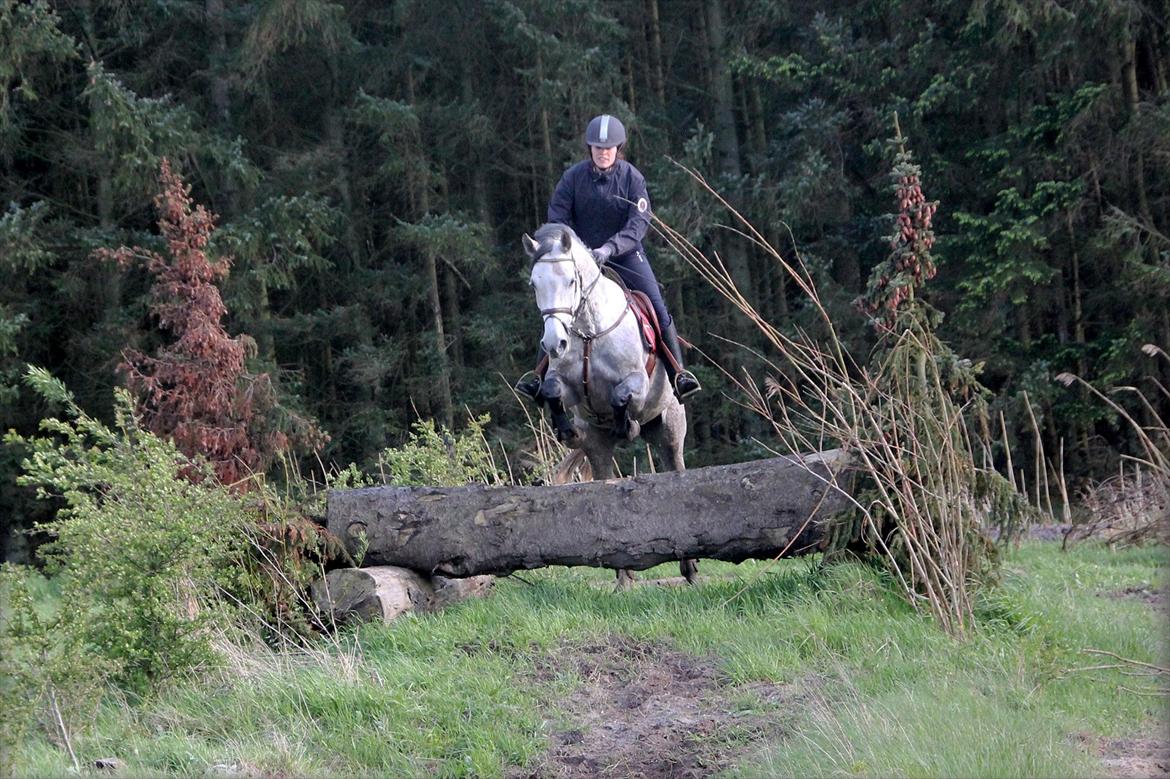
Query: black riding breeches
(635, 271)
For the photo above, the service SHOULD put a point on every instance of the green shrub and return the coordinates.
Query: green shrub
(434, 457)
(142, 555)
(50, 677)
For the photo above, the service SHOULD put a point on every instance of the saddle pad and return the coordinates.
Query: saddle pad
(646, 318)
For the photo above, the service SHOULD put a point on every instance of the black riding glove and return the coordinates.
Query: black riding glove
(603, 253)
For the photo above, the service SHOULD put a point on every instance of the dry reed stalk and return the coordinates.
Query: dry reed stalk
(926, 502)
(1133, 506)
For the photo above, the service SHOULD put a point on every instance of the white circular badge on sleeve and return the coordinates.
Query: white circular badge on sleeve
(643, 205)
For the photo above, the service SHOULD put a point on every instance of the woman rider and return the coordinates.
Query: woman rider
(604, 200)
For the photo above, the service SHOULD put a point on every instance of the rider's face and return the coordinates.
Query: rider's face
(603, 158)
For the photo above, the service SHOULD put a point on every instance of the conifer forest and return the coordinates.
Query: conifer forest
(351, 180)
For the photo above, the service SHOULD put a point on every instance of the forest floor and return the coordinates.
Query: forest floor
(1142, 756)
(765, 669)
(645, 709)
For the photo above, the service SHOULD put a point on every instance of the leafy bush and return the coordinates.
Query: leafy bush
(50, 676)
(436, 457)
(141, 554)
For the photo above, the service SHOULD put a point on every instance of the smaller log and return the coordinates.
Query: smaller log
(384, 592)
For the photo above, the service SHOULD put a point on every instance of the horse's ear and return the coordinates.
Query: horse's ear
(530, 246)
(566, 241)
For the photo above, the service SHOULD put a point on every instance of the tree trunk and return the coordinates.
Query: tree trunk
(454, 313)
(760, 510)
(443, 379)
(654, 34)
(631, 90)
(550, 175)
(221, 96)
(422, 204)
(479, 193)
(722, 91)
(108, 275)
(1133, 101)
(726, 141)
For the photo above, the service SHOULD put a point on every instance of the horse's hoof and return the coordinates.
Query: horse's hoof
(625, 580)
(689, 570)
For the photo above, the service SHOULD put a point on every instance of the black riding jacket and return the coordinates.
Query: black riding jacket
(601, 206)
(613, 207)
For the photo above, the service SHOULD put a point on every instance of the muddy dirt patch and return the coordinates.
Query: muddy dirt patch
(646, 710)
(1155, 596)
(1130, 758)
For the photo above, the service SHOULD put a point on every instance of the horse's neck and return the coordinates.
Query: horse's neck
(606, 303)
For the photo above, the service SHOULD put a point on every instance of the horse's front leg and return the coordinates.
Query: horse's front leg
(627, 398)
(557, 394)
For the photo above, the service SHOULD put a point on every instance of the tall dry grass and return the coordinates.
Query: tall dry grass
(911, 417)
(1133, 505)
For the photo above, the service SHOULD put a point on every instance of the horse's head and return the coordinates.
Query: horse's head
(559, 260)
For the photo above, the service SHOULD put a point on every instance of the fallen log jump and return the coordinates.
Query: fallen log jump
(754, 510)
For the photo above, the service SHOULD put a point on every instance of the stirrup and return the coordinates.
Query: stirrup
(685, 385)
(528, 385)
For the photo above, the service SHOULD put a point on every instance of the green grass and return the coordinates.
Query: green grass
(473, 690)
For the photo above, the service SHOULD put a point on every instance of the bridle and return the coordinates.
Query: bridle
(586, 338)
(575, 312)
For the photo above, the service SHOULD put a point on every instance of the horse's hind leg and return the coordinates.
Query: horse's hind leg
(668, 433)
(598, 448)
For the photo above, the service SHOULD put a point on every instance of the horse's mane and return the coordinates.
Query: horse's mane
(548, 234)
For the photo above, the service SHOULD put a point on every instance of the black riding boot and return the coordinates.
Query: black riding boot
(684, 382)
(529, 386)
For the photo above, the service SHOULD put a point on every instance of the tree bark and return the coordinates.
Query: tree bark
(478, 187)
(722, 92)
(550, 175)
(422, 203)
(1133, 101)
(759, 510)
(655, 40)
(220, 96)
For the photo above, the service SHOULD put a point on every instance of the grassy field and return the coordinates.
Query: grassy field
(764, 670)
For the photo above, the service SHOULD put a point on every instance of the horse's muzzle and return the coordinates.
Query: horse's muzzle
(556, 337)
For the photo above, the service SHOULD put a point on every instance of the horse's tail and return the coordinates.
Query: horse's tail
(564, 472)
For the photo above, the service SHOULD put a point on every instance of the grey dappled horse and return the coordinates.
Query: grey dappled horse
(586, 314)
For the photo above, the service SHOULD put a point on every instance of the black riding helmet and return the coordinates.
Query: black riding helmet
(605, 132)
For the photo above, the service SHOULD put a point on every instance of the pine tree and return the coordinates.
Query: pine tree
(196, 390)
